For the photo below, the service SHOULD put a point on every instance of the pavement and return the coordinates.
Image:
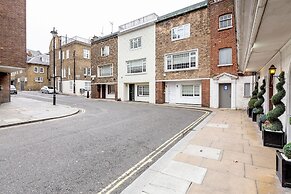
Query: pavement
(25, 110)
(223, 154)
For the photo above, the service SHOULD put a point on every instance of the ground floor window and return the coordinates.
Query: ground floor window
(87, 86)
(190, 90)
(143, 90)
(247, 89)
(111, 89)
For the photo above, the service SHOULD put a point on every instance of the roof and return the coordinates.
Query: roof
(42, 59)
(67, 40)
(32, 53)
(103, 38)
(183, 11)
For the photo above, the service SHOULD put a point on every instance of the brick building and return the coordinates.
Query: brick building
(228, 89)
(183, 57)
(104, 66)
(67, 51)
(35, 75)
(12, 43)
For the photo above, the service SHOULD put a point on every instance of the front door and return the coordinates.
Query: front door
(131, 92)
(224, 95)
(103, 91)
(21, 85)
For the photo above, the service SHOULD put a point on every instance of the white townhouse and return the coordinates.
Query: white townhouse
(136, 60)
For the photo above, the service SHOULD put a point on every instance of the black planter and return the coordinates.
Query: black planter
(283, 169)
(273, 138)
(254, 117)
(250, 110)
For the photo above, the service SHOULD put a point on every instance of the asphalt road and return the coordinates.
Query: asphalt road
(86, 152)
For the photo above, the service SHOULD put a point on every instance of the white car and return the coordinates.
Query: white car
(47, 90)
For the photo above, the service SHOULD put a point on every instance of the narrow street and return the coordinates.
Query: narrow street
(86, 152)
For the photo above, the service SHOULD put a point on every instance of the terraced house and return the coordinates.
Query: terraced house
(104, 67)
(187, 56)
(73, 64)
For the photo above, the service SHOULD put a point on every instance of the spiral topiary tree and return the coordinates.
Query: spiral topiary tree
(254, 97)
(273, 115)
(258, 104)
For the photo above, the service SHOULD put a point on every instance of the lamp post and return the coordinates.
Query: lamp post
(74, 87)
(272, 71)
(54, 33)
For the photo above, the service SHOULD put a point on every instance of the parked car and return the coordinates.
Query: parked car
(47, 90)
(13, 89)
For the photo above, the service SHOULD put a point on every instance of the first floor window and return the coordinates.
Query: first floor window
(181, 61)
(67, 54)
(136, 66)
(87, 71)
(247, 89)
(225, 56)
(111, 89)
(38, 79)
(105, 71)
(143, 90)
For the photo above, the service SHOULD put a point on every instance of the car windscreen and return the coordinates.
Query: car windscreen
(50, 88)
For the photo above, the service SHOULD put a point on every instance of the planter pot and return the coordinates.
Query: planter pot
(283, 169)
(249, 111)
(273, 138)
(254, 117)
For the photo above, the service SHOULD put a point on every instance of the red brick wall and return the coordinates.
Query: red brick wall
(13, 33)
(222, 38)
(160, 92)
(5, 87)
(94, 91)
(205, 93)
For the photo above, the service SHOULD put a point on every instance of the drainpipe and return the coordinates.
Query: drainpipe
(260, 9)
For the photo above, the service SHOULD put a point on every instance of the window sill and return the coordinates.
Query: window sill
(105, 76)
(247, 96)
(226, 28)
(133, 74)
(224, 65)
(181, 70)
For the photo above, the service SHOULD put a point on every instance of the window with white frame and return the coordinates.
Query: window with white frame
(87, 86)
(247, 89)
(67, 54)
(35, 69)
(180, 32)
(111, 89)
(181, 61)
(87, 71)
(63, 55)
(105, 51)
(41, 70)
(196, 90)
(38, 79)
(225, 56)
(136, 66)
(59, 54)
(135, 43)
(225, 21)
(187, 90)
(143, 90)
(105, 71)
(69, 71)
(64, 72)
(86, 54)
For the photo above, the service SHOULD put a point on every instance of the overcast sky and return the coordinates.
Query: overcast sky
(86, 18)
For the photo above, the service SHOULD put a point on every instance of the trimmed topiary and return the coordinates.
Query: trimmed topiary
(287, 150)
(258, 104)
(273, 115)
(254, 97)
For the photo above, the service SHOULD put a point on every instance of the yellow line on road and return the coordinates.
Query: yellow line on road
(149, 158)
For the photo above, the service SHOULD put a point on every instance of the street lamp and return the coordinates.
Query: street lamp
(54, 33)
(272, 71)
